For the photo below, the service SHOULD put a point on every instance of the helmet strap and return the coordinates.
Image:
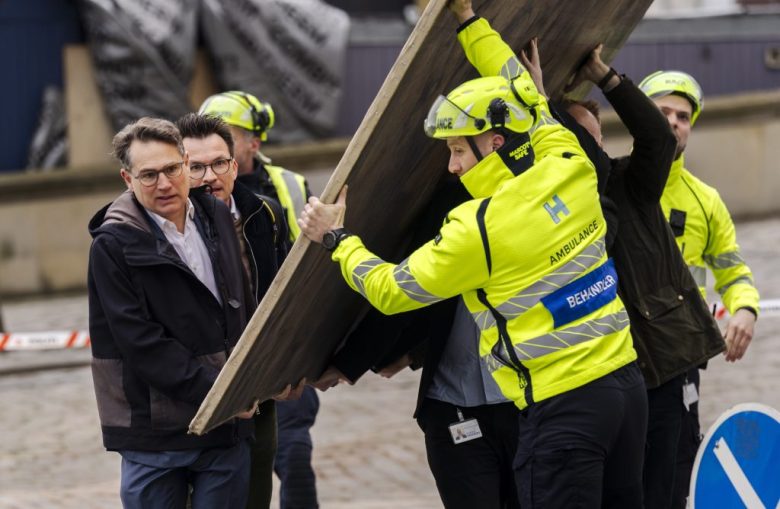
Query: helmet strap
(474, 148)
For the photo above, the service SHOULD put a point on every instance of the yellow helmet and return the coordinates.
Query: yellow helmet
(662, 83)
(241, 109)
(482, 104)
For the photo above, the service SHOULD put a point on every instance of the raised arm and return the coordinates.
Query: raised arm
(654, 142)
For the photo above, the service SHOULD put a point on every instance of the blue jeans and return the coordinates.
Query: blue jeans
(219, 478)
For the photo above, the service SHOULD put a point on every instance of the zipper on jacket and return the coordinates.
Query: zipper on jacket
(523, 373)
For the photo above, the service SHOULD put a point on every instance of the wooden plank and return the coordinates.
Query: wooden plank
(392, 169)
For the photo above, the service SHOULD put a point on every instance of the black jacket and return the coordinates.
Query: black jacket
(264, 228)
(672, 328)
(379, 340)
(159, 336)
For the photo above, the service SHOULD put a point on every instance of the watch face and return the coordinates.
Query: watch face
(329, 240)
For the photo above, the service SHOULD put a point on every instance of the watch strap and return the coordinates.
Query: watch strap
(338, 235)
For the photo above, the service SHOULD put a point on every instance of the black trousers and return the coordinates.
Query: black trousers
(666, 409)
(298, 488)
(690, 439)
(584, 448)
(262, 457)
(477, 473)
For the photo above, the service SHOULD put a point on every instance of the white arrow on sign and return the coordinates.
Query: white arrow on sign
(737, 476)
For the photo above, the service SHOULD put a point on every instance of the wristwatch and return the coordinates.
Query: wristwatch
(331, 239)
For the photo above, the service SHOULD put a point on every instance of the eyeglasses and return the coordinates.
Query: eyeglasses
(149, 178)
(220, 166)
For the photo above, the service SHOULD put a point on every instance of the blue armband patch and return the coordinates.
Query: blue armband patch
(583, 296)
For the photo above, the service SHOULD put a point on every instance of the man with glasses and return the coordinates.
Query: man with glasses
(249, 120)
(168, 300)
(262, 233)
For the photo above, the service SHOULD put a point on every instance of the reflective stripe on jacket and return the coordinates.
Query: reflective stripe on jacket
(538, 261)
(291, 191)
(706, 236)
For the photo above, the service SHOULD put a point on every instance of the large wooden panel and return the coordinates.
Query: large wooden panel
(392, 168)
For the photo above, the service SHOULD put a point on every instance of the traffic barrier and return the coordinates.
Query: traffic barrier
(768, 307)
(46, 340)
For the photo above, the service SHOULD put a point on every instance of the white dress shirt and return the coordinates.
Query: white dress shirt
(234, 213)
(190, 247)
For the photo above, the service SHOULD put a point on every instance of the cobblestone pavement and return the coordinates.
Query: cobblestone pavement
(368, 451)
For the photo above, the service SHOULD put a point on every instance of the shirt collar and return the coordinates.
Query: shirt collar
(234, 210)
(162, 222)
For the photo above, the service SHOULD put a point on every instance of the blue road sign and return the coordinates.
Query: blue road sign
(738, 463)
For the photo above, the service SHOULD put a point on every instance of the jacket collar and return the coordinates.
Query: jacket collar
(124, 210)
(486, 177)
(245, 201)
(512, 159)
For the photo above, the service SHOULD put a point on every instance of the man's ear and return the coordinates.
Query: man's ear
(498, 141)
(127, 177)
(255, 144)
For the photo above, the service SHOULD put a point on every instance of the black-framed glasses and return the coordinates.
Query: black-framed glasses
(149, 178)
(220, 166)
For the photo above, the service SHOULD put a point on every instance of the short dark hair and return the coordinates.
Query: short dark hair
(144, 129)
(195, 125)
(589, 104)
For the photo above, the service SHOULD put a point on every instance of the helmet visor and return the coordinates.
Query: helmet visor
(445, 119)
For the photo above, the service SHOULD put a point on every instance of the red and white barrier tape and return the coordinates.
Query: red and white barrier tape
(768, 307)
(46, 340)
(55, 340)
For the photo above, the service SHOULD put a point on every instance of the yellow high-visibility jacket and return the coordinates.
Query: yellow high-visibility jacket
(291, 191)
(488, 52)
(491, 56)
(528, 256)
(706, 236)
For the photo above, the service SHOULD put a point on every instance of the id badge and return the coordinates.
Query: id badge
(463, 431)
(690, 395)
